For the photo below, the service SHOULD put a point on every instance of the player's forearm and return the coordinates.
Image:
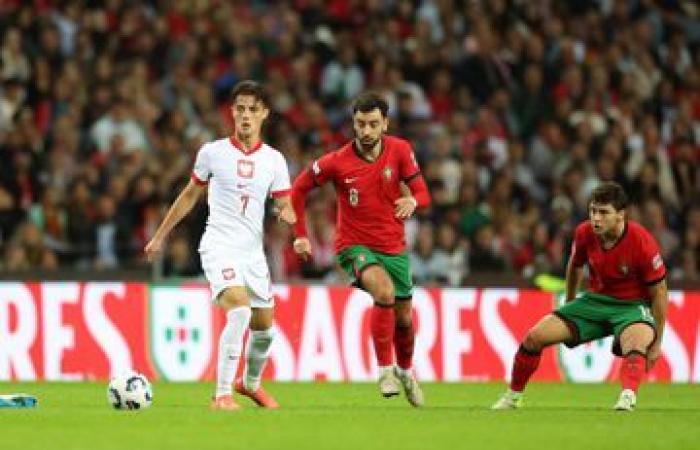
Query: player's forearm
(419, 191)
(179, 209)
(300, 189)
(659, 306)
(574, 275)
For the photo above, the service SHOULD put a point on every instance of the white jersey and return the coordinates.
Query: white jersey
(239, 185)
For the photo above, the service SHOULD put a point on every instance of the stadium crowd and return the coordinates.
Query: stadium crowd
(516, 110)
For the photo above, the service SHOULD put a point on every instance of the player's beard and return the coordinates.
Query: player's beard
(367, 146)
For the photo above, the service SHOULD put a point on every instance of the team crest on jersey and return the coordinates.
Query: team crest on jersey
(245, 168)
(624, 269)
(229, 274)
(387, 173)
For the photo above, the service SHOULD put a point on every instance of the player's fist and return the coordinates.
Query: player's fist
(153, 248)
(653, 354)
(302, 247)
(405, 206)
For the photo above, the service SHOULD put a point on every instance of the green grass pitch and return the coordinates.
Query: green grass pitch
(353, 416)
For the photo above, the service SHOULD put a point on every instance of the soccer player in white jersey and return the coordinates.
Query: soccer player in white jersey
(240, 173)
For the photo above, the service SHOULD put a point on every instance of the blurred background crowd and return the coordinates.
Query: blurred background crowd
(516, 110)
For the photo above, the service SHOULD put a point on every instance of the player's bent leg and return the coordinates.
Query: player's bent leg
(635, 339)
(234, 300)
(377, 282)
(551, 329)
(257, 352)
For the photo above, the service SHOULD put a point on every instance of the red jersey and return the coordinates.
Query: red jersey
(366, 192)
(623, 271)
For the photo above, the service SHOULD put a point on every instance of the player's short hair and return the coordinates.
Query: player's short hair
(610, 193)
(369, 101)
(253, 88)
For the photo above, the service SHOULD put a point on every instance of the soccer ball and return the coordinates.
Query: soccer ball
(129, 390)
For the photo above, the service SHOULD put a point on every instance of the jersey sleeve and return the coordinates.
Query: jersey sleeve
(323, 169)
(652, 267)
(579, 253)
(280, 183)
(202, 168)
(408, 166)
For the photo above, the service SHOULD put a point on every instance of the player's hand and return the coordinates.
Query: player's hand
(302, 247)
(405, 206)
(153, 248)
(653, 354)
(287, 215)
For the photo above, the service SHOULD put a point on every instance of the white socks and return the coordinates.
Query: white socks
(257, 352)
(230, 347)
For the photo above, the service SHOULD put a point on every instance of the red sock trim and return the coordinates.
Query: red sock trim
(632, 371)
(524, 365)
(404, 338)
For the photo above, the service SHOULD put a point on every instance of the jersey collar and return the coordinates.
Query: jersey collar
(617, 241)
(357, 153)
(242, 149)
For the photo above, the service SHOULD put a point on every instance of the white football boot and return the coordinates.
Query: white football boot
(388, 383)
(509, 400)
(414, 394)
(627, 401)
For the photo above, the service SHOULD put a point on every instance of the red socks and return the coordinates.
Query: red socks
(382, 328)
(632, 371)
(524, 366)
(403, 345)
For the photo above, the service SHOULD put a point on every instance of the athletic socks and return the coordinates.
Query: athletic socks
(524, 365)
(632, 371)
(382, 329)
(257, 352)
(230, 347)
(403, 346)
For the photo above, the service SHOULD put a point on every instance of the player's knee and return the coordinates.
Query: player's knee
(403, 318)
(534, 341)
(233, 298)
(384, 294)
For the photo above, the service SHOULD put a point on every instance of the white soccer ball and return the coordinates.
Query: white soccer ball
(130, 390)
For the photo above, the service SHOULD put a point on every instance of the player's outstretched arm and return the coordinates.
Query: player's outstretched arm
(179, 209)
(303, 184)
(658, 293)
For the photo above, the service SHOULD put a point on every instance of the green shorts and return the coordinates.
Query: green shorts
(593, 316)
(357, 258)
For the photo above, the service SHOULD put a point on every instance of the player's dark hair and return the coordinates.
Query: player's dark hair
(610, 193)
(253, 88)
(369, 101)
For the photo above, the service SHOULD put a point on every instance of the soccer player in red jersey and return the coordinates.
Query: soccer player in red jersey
(370, 243)
(627, 298)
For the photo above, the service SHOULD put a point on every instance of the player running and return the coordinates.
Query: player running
(370, 243)
(240, 173)
(627, 298)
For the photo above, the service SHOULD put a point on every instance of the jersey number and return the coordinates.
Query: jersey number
(353, 196)
(244, 203)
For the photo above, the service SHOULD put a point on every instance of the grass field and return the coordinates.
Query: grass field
(353, 416)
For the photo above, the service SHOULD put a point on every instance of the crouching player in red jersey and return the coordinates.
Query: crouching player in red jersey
(370, 242)
(627, 298)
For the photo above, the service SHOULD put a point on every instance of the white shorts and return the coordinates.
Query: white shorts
(225, 269)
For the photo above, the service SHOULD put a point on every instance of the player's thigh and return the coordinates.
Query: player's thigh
(375, 280)
(233, 297)
(637, 337)
(399, 269)
(551, 329)
(262, 318)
